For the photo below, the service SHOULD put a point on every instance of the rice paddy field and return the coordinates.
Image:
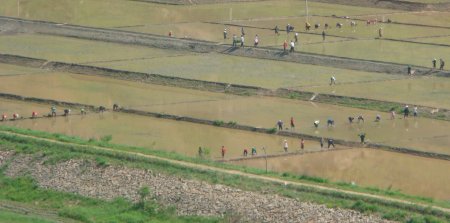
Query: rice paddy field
(412, 38)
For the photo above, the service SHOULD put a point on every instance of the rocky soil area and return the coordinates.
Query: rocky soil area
(190, 197)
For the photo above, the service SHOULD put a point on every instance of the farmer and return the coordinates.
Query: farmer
(323, 35)
(302, 144)
(242, 31)
(170, 33)
(392, 113)
(409, 69)
(223, 150)
(288, 28)
(115, 107)
(330, 143)
(34, 114)
(4, 116)
(225, 33)
(434, 63)
(277, 30)
(415, 112)
(83, 111)
(360, 118)
(296, 36)
(350, 119)
(253, 151)
(330, 122)
(316, 123)
(378, 118)
(292, 46)
(362, 136)
(332, 80)
(66, 112)
(234, 40)
(53, 110)
(442, 63)
(285, 145)
(406, 111)
(321, 142)
(101, 109)
(245, 152)
(16, 116)
(256, 40)
(242, 40)
(285, 45)
(280, 125)
(380, 32)
(292, 123)
(200, 151)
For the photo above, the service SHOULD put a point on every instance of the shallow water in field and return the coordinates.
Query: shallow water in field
(160, 134)
(365, 167)
(420, 133)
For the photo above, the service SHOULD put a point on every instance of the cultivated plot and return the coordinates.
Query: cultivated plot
(429, 90)
(421, 134)
(366, 167)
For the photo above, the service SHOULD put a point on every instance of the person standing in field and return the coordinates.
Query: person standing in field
(285, 145)
(296, 37)
(223, 150)
(321, 142)
(380, 32)
(292, 46)
(242, 31)
(323, 35)
(225, 33)
(292, 123)
(330, 143)
(442, 64)
(415, 112)
(234, 40)
(332, 80)
(256, 40)
(406, 112)
(245, 152)
(242, 41)
(392, 113)
(285, 45)
(302, 144)
(434, 63)
(280, 125)
(362, 137)
(277, 30)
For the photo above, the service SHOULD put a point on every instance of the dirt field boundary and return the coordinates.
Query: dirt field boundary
(134, 38)
(230, 125)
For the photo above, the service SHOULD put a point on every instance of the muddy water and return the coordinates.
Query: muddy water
(12, 70)
(78, 51)
(22, 108)
(421, 134)
(161, 134)
(409, 174)
(211, 67)
(131, 13)
(430, 91)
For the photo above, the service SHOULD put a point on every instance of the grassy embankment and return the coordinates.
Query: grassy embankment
(56, 152)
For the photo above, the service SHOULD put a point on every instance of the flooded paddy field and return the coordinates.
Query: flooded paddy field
(421, 134)
(365, 167)
(130, 13)
(73, 50)
(24, 109)
(430, 91)
(382, 50)
(13, 70)
(430, 18)
(209, 67)
(154, 133)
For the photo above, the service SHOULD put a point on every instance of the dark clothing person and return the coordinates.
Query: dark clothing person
(280, 125)
(434, 63)
(245, 152)
(362, 136)
(277, 30)
(405, 112)
(409, 70)
(200, 151)
(330, 143)
(350, 119)
(330, 122)
(321, 143)
(253, 151)
(360, 118)
(323, 35)
(442, 63)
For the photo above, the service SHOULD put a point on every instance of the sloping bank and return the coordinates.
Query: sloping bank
(371, 104)
(194, 188)
(233, 125)
(128, 37)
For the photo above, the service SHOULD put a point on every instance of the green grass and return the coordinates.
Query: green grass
(24, 190)
(11, 217)
(331, 199)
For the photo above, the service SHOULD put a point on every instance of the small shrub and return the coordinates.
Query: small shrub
(218, 123)
(272, 130)
(232, 123)
(101, 162)
(106, 138)
(363, 207)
